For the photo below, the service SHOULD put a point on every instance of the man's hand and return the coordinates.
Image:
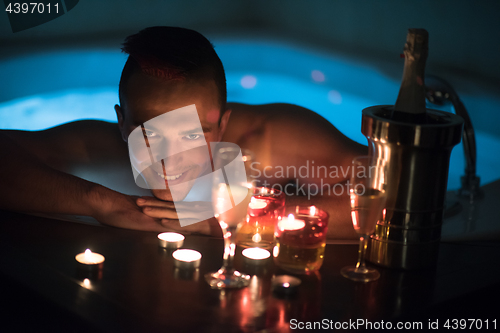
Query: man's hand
(120, 210)
(166, 212)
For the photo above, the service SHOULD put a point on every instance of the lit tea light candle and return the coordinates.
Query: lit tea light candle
(285, 284)
(170, 240)
(90, 258)
(294, 237)
(291, 223)
(186, 259)
(256, 254)
(89, 264)
(257, 207)
(257, 203)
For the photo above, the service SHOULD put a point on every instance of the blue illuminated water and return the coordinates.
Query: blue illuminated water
(55, 88)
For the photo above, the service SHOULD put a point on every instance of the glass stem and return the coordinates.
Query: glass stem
(229, 248)
(363, 242)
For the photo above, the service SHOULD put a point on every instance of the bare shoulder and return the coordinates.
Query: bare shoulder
(246, 119)
(301, 125)
(75, 142)
(289, 115)
(289, 135)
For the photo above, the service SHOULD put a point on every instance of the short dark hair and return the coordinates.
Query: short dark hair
(172, 53)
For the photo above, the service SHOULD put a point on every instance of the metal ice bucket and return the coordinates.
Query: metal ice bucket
(418, 157)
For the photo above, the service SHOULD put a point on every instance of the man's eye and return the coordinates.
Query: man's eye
(193, 136)
(150, 134)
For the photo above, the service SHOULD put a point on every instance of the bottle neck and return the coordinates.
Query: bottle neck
(411, 97)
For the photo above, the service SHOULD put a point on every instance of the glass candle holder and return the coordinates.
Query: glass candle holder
(266, 207)
(301, 239)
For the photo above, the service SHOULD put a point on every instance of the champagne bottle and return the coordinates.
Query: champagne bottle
(410, 104)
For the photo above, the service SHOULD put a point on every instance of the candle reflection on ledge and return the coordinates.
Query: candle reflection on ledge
(186, 274)
(259, 308)
(253, 303)
(304, 305)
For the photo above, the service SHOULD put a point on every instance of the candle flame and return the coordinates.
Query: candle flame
(291, 224)
(256, 238)
(286, 284)
(186, 255)
(257, 203)
(312, 211)
(171, 237)
(256, 253)
(88, 257)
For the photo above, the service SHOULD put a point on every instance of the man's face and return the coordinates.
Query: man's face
(183, 143)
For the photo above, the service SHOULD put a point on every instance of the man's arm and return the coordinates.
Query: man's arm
(30, 185)
(32, 179)
(166, 212)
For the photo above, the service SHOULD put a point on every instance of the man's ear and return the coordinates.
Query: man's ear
(121, 121)
(223, 123)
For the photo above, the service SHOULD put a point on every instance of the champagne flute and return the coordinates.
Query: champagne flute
(368, 197)
(231, 192)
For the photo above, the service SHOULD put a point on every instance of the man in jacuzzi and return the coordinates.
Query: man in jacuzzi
(167, 69)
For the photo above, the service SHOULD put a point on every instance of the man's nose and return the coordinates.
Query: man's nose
(173, 163)
(163, 149)
(170, 152)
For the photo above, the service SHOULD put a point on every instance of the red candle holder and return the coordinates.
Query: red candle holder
(301, 239)
(265, 209)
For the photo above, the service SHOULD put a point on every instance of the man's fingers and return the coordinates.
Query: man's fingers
(153, 202)
(171, 226)
(194, 205)
(174, 226)
(159, 212)
(168, 213)
(194, 227)
(170, 222)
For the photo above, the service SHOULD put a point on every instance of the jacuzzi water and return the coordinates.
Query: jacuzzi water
(54, 88)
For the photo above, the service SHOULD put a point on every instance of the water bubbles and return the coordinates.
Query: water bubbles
(335, 97)
(248, 81)
(318, 76)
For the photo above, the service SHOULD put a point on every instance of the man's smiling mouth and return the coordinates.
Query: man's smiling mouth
(170, 177)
